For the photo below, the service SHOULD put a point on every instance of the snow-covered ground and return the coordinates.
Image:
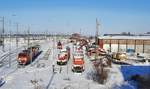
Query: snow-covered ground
(40, 74)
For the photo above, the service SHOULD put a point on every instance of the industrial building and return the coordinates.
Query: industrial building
(140, 44)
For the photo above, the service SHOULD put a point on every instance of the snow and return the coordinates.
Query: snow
(126, 37)
(40, 73)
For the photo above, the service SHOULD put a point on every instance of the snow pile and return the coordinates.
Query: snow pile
(115, 77)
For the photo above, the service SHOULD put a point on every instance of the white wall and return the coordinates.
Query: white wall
(139, 48)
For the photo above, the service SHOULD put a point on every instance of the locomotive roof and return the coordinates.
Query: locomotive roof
(35, 46)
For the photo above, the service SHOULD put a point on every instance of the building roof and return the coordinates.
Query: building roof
(126, 37)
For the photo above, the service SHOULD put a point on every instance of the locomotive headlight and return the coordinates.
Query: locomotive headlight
(63, 60)
(58, 60)
(19, 59)
(24, 59)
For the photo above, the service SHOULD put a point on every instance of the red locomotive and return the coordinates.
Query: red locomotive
(28, 55)
(63, 56)
(78, 61)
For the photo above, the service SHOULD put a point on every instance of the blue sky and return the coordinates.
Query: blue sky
(67, 16)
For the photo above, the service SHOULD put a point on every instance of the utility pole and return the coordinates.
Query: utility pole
(53, 53)
(29, 46)
(53, 45)
(17, 25)
(100, 70)
(25, 34)
(80, 31)
(28, 32)
(46, 34)
(97, 31)
(2, 34)
(96, 37)
(10, 49)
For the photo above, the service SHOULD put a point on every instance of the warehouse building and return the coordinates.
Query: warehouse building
(140, 44)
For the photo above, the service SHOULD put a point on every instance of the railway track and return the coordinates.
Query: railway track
(39, 62)
(46, 56)
(5, 57)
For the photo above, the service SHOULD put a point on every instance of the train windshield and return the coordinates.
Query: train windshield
(22, 55)
(80, 54)
(59, 43)
(78, 68)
